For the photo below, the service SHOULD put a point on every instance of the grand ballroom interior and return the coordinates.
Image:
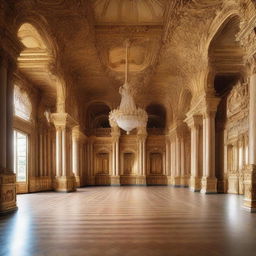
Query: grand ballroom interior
(128, 127)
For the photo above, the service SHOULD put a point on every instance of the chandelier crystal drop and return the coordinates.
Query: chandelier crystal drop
(127, 116)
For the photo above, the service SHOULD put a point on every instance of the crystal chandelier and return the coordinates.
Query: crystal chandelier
(127, 116)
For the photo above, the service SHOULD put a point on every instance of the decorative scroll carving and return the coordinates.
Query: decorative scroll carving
(238, 100)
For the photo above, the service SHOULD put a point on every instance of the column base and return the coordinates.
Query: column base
(177, 181)
(115, 180)
(250, 188)
(209, 185)
(65, 184)
(222, 186)
(78, 181)
(195, 184)
(157, 179)
(233, 184)
(184, 181)
(7, 193)
(89, 180)
(170, 180)
(132, 180)
(38, 184)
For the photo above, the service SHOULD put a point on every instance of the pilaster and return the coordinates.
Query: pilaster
(115, 134)
(78, 139)
(141, 137)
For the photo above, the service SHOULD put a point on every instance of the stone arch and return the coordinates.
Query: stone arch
(42, 27)
(97, 114)
(39, 43)
(157, 115)
(229, 19)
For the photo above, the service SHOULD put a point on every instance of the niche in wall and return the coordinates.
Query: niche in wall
(129, 159)
(156, 163)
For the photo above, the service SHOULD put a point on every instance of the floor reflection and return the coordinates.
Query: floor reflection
(128, 221)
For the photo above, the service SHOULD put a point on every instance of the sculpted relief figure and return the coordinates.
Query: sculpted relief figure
(237, 100)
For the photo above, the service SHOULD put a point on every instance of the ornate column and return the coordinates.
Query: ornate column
(250, 172)
(90, 163)
(247, 37)
(194, 123)
(75, 154)
(77, 146)
(167, 156)
(115, 134)
(209, 181)
(141, 137)
(64, 180)
(183, 181)
(241, 164)
(177, 137)
(173, 159)
(7, 177)
(177, 178)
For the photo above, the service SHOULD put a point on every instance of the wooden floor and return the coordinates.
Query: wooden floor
(128, 221)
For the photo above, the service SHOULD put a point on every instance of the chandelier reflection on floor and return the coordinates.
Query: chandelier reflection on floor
(127, 116)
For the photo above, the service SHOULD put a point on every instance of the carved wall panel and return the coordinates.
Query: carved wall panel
(156, 163)
(128, 163)
(236, 140)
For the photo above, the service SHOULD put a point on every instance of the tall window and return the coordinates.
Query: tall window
(20, 156)
(22, 104)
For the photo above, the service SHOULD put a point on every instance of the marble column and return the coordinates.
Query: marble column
(75, 154)
(194, 123)
(115, 134)
(65, 179)
(3, 114)
(90, 163)
(7, 177)
(142, 136)
(177, 178)
(209, 181)
(167, 156)
(173, 159)
(240, 164)
(183, 181)
(209, 106)
(250, 172)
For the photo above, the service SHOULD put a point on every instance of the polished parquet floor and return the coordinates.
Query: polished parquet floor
(128, 221)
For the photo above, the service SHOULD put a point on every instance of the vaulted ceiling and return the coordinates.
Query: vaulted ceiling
(168, 49)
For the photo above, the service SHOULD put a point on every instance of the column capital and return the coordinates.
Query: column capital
(77, 134)
(142, 133)
(206, 104)
(63, 120)
(115, 132)
(194, 121)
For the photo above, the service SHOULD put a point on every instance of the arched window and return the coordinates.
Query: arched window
(22, 104)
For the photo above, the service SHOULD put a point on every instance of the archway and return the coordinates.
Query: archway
(226, 60)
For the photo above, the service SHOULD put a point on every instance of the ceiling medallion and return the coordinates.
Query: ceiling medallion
(127, 116)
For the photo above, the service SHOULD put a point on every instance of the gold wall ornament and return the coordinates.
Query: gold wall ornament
(127, 116)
